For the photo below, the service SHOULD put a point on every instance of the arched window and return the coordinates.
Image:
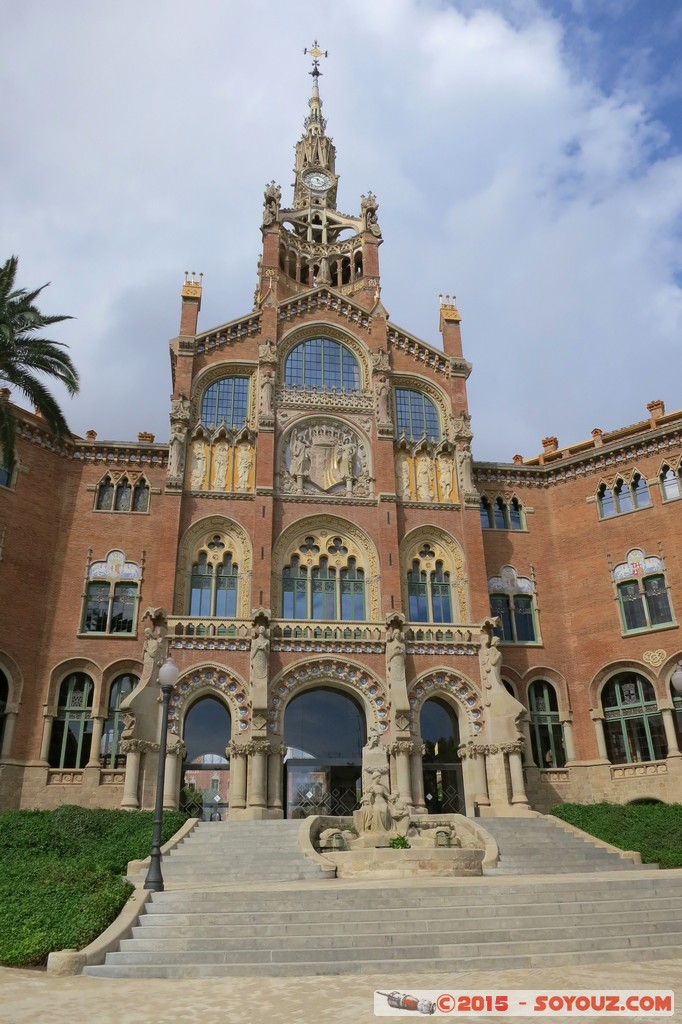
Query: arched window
(121, 687)
(320, 590)
(141, 496)
(677, 713)
(670, 483)
(323, 365)
(4, 697)
(111, 596)
(512, 599)
(72, 728)
(105, 495)
(486, 514)
(624, 497)
(214, 584)
(546, 733)
(124, 494)
(416, 415)
(633, 724)
(226, 403)
(429, 594)
(642, 592)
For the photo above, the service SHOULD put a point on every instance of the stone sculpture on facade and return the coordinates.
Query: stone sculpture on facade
(271, 204)
(220, 459)
(260, 667)
(176, 451)
(445, 478)
(244, 462)
(198, 467)
(464, 470)
(368, 208)
(267, 393)
(424, 479)
(383, 401)
(403, 477)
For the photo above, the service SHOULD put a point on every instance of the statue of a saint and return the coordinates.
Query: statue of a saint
(345, 455)
(424, 480)
(464, 464)
(445, 479)
(176, 450)
(273, 197)
(403, 477)
(395, 660)
(244, 460)
(198, 471)
(220, 457)
(267, 391)
(260, 657)
(383, 400)
(299, 453)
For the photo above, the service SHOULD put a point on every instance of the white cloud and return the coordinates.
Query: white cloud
(142, 135)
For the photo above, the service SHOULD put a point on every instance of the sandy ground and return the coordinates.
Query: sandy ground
(33, 996)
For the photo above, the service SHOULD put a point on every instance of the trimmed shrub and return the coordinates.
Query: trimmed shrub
(61, 875)
(653, 829)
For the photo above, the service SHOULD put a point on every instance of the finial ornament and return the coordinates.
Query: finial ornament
(315, 52)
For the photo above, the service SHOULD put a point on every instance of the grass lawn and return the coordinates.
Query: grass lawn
(62, 875)
(655, 830)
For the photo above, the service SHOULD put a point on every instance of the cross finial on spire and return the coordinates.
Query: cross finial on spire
(315, 52)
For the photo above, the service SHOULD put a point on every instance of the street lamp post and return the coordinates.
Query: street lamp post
(168, 677)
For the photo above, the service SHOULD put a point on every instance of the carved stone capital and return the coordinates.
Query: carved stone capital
(513, 748)
(402, 747)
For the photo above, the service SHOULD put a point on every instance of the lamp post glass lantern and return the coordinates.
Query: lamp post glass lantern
(168, 677)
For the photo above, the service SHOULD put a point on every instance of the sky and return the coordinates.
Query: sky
(526, 156)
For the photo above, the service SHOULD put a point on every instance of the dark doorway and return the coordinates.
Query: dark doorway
(324, 733)
(205, 791)
(443, 784)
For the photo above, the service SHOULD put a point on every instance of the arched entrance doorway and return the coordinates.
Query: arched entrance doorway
(324, 733)
(443, 783)
(206, 769)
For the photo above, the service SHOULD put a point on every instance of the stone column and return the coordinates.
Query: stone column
(476, 753)
(275, 779)
(258, 752)
(132, 777)
(417, 778)
(598, 719)
(10, 719)
(47, 737)
(237, 753)
(528, 749)
(670, 734)
(569, 745)
(513, 752)
(96, 742)
(401, 750)
(170, 780)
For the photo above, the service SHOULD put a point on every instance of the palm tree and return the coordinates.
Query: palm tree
(23, 355)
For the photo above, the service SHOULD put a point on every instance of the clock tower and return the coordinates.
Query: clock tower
(302, 244)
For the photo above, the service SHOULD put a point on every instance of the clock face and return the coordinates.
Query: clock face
(317, 180)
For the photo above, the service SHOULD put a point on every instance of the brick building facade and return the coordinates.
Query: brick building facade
(336, 570)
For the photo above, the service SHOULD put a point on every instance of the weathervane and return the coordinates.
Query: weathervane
(315, 52)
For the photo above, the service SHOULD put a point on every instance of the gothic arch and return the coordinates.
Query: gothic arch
(448, 551)
(216, 371)
(360, 546)
(460, 692)
(64, 669)
(15, 680)
(111, 672)
(343, 675)
(210, 680)
(318, 329)
(607, 672)
(426, 387)
(199, 533)
(551, 676)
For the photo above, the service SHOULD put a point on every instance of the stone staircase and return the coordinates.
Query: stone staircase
(218, 853)
(540, 846)
(240, 901)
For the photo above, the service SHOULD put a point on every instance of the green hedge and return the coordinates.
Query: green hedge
(653, 829)
(61, 875)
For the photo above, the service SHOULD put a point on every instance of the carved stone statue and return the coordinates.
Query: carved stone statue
(345, 455)
(403, 477)
(445, 479)
(323, 275)
(176, 450)
(461, 428)
(244, 460)
(220, 457)
(267, 391)
(273, 197)
(383, 400)
(198, 471)
(299, 454)
(464, 469)
(375, 804)
(368, 209)
(424, 480)
(395, 660)
(140, 708)
(260, 666)
(491, 663)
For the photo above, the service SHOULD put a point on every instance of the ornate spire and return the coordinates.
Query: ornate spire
(316, 179)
